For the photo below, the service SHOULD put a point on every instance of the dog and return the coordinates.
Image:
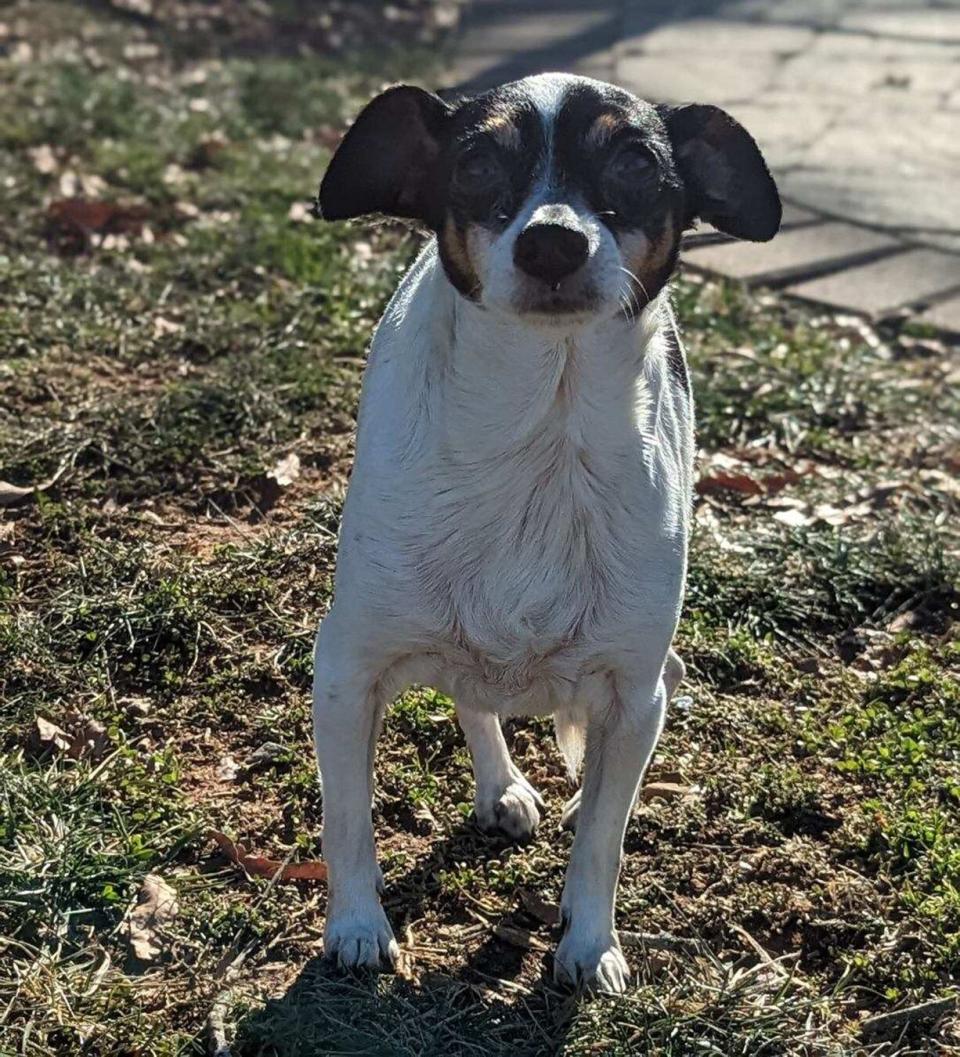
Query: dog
(515, 529)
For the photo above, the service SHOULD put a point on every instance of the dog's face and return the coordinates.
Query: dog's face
(554, 197)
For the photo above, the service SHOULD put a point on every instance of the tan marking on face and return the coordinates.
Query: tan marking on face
(457, 250)
(503, 128)
(649, 258)
(603, 128)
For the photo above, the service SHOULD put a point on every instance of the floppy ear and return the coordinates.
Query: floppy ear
(727, 180)
(384, 163)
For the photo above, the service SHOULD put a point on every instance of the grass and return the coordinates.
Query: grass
(160, 597)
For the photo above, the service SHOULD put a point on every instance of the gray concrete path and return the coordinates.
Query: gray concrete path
(856, 104)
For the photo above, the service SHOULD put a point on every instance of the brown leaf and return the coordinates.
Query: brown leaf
(49, 736)
(89, 737)
(726, 481)
(666, 791)
(286, 470)
(261, 866)
(72, 222)
(81, 737)
(548, 913)
(156, 906)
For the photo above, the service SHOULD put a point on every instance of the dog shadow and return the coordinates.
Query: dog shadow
(480, 1007)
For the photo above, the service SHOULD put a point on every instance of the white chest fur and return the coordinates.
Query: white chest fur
(517, 515)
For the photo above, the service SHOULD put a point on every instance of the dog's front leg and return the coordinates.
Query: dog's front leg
(347, 714)
(620, 741)
(505, 801)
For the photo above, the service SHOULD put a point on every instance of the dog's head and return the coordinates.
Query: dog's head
(554, 196)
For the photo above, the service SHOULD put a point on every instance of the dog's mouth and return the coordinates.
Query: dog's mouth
(557, 300)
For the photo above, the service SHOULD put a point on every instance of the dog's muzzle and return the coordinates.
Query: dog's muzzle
(550, 252)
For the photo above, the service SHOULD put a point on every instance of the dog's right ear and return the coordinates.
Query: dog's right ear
(386, 161)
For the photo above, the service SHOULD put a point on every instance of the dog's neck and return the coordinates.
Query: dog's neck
(508, 382)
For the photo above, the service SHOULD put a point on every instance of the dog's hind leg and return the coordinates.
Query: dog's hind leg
(673, 672)
(347, 715)
(621, 735)
(505, 801)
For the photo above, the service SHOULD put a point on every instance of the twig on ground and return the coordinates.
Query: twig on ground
(216, 1019)
(897, 1019)
(660, 941)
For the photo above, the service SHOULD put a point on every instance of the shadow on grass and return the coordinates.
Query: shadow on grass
(326, 1012)
(478, 1009)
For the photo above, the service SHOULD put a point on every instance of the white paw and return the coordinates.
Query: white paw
(591, 962)
(571, 812)
(360, 939)
(514, 812)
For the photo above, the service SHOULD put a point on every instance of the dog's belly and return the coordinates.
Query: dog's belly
(530, 682)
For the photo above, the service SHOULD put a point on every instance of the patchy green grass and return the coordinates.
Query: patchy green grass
(158, 601)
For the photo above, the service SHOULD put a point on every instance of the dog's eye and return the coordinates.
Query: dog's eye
(478, 170)
(629, 164)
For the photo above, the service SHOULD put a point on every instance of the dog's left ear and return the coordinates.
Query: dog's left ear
(384, 163)
(727, 180)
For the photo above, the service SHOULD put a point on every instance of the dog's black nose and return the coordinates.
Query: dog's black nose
(550, 251)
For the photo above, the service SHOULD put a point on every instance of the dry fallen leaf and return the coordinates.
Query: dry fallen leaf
(794, 517)
(43, 158)
(286, 470)
(156, 906)
(49, 736)
(90, 738)
(73, 184)
(299, 213)
(666, 791)
(228, 769)
(261, 866)
(536, 906)
(162, 327)
(724, 481)
(82, 737)
(72, 222)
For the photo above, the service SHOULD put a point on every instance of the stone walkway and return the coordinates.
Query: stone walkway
(856, 104)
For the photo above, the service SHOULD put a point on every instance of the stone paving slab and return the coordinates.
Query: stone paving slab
(945, 315)
(939, 24)
(885, 285)
(715, 36)
(849, 102)
(797, 252)
(694, 78)
(503, 40)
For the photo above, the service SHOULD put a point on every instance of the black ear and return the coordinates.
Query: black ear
(385, 161)
(727, 180)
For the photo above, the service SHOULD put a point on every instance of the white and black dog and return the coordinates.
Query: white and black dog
(515, 532)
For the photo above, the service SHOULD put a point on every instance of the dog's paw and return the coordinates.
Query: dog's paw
(360, 939)
(515, 813)
(571, 812)
(591, 962)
